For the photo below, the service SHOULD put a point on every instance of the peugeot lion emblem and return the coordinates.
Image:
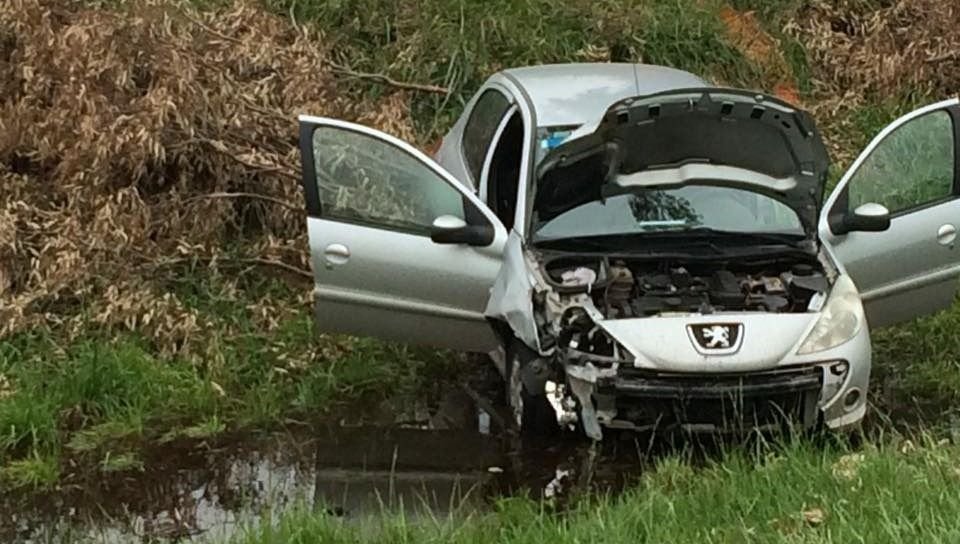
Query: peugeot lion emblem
(716, 338)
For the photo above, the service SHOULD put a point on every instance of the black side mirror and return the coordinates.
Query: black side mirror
(448, 229)
(869, 217)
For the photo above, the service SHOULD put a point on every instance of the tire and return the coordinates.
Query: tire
(852, 438)
(531, 412)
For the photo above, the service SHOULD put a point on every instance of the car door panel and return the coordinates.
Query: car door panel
(912, 268)
(915, 275)
(377, 271)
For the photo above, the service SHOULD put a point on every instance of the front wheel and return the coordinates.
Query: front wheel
(531, 410)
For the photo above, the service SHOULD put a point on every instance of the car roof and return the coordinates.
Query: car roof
(574, 94)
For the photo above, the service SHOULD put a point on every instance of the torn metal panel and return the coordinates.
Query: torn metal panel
(583, 382)
(511, 298)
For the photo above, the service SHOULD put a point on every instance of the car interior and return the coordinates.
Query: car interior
(504, 174)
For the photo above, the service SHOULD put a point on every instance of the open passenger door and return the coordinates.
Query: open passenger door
(907, 178)
(400, 249)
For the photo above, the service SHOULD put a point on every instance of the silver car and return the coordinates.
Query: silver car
(637, 249)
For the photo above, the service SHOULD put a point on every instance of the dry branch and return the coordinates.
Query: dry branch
(220, 147)
(343, 70)
(206, 28)
(254, 196)
(386, 80)
(949, 55)
(235, 260)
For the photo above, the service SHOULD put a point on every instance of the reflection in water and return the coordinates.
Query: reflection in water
(365, 471)
(349, 472)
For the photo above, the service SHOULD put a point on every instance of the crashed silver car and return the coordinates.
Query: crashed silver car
(637, 249)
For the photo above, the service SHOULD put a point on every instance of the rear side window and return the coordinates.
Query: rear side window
(481, 127)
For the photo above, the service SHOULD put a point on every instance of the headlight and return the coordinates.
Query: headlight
(840, 321)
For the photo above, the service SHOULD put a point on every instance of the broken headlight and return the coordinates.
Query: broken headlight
(840, 319)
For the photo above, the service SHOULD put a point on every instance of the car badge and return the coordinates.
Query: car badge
(716, 338)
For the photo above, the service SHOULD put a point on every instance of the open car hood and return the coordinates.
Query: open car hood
(707, 136)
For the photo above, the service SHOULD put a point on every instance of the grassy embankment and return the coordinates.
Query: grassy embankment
(100, 395)
(798, 494)
(103, 397)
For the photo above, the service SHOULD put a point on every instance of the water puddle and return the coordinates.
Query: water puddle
(204, 493)
(449, 460)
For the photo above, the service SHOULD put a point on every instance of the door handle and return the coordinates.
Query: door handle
(336, 254)
(946, 234)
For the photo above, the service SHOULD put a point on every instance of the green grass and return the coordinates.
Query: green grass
(121, 462)
(459, 43)
(34, 471)
(801, 493)
(106, 394)
(916, 370)
(867, 121)
(772, 12)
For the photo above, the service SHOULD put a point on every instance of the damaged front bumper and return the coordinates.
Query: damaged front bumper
(797, 397)
(649, 401)
(666, 386)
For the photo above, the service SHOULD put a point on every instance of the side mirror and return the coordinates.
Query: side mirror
(869, 217)
(448, 229)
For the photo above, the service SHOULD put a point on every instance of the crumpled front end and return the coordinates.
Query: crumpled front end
(682, 346)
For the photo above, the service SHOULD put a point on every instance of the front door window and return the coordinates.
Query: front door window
(368, 181)
(912, 167)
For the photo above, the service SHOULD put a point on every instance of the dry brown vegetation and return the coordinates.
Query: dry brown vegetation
(134, 141)
(137, 140)
(863, 53)
(911, 45)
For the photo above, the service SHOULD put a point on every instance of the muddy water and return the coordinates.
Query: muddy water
(208, 493)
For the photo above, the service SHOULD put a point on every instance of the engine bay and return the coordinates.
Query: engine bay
(627, 288)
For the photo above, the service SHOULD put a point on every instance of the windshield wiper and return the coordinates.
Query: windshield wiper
(620, 243)
(576, 243)
(792, 240)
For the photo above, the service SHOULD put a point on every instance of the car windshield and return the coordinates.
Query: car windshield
(668, 210)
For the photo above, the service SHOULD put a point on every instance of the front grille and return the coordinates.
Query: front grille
(712, 402)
